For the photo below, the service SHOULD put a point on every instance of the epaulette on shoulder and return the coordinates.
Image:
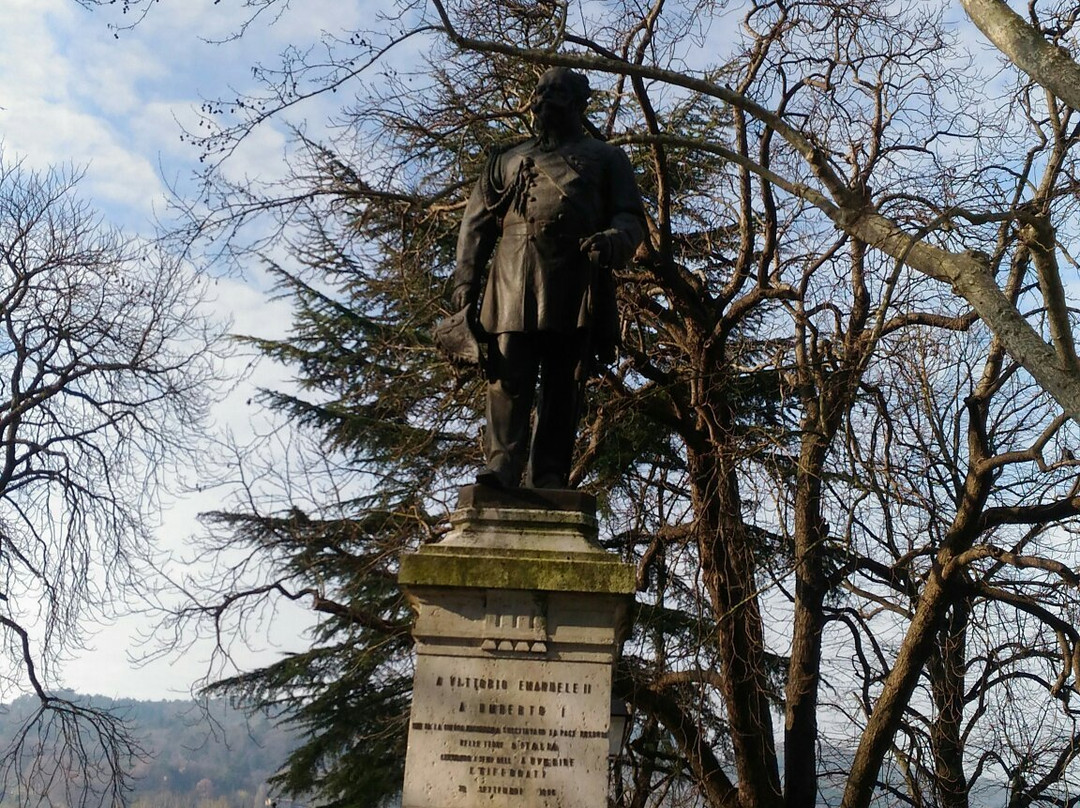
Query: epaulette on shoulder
(498, 149)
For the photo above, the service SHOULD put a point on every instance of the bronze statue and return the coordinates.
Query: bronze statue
(555, 215)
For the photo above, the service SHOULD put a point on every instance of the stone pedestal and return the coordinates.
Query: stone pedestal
(520, 617)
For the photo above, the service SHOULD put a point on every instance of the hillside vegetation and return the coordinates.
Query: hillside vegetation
(195, 755)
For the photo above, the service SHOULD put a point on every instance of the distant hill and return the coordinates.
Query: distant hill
(198, 755)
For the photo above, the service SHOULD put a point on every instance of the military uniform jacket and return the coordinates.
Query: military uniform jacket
(533, 207)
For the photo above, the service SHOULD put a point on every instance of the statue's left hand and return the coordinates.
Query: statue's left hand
(598, 248)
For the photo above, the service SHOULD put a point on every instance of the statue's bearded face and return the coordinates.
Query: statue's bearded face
(554, 103)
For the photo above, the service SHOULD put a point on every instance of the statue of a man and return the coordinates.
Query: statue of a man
(559, 212)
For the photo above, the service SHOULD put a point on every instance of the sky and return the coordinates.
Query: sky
(75, 92)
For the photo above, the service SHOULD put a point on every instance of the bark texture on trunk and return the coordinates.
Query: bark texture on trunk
(730, 576)
(946, 669)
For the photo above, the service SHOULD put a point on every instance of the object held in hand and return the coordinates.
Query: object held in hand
(455, 336)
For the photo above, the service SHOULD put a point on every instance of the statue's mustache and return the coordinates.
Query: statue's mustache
(549, 117)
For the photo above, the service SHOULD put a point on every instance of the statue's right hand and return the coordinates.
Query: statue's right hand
(463, 295)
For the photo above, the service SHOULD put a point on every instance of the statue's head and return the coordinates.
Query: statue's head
(559, 101)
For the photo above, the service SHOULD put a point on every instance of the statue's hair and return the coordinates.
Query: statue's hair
(578, 82)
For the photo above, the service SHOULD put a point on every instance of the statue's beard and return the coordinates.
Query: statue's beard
(554, 126)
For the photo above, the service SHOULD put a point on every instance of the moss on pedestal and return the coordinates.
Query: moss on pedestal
(524, 569)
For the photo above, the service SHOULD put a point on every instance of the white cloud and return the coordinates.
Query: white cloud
(59, 90)
(72, 92)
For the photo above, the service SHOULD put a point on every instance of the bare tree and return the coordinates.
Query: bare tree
(106, 370)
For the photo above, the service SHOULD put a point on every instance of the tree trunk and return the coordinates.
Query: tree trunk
(730, 576)
(804, 670)
(946, 669)
(899, 685)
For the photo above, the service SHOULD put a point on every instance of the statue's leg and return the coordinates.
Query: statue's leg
(558, 409)
(512, 367)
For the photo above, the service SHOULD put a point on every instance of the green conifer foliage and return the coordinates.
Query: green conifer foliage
(840, 493)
